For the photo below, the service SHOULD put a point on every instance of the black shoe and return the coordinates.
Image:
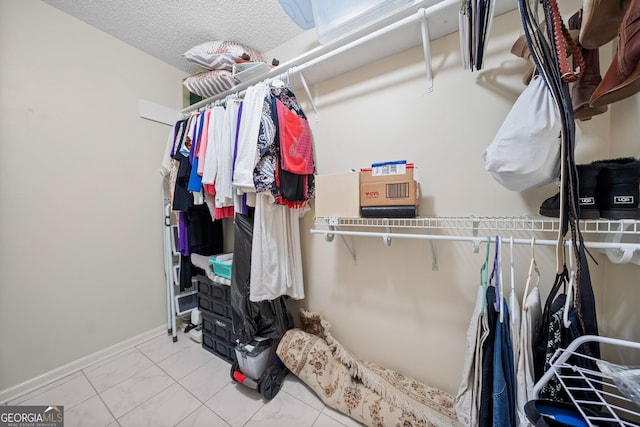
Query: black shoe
(587, 180)
(618, 188)
(551, 206)
(588, 176)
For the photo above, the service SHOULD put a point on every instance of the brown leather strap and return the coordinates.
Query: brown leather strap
(561, 35)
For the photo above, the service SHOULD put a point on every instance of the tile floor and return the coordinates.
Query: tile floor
(161, 383)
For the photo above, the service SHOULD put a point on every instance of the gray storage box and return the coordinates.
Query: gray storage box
(253, 357)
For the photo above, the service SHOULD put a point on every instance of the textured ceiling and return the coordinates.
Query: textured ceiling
(166, 29)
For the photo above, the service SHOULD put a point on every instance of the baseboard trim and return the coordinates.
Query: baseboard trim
(77, 365)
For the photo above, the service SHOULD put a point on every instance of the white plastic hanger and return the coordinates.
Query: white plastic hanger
(277, 83)
(569, 297)
(533, 266)
(513, 303)
(484, 276)
(501, 287)
(496, 278)
(513, 280)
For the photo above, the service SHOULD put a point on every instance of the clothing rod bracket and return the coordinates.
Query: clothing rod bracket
(311, 98)
(476, 243)
(426, 48)
(385, 237)
(434, 256)
(625, 253)
(333, 226)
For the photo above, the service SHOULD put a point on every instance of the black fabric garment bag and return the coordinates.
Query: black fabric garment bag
(269, 319)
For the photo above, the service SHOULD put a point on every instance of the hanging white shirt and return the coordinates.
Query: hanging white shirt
(276, 257)
(214, 135)
(224, 188)
(246, 156)
(529, 331)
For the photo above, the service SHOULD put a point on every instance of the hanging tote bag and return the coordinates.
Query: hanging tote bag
(525, 152)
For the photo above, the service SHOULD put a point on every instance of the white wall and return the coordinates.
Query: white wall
(80, 229)
(388, 306)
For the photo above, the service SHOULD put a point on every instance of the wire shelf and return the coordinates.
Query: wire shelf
(486, 223)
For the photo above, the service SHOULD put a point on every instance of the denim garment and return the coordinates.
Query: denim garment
(504, 397)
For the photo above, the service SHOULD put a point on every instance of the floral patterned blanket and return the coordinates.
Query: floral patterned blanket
(370, 394)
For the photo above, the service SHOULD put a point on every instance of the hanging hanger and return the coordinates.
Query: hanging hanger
(513, 303)
(533, 266)
(501, 282)
(484, 276)
(276, 82)
(570, 289)
(513, 280)
(495, 274)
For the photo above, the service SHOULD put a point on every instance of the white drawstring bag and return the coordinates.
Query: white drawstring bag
(525, 152)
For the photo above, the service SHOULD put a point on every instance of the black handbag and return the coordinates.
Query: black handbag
(555, 301)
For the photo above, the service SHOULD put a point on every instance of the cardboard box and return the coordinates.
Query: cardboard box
(338, 195)
(391, 175)
(394, 193)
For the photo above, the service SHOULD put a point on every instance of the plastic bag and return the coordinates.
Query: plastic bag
(627, 379)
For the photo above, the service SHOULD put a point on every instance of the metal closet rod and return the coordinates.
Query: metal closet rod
(475, 239)
(316, 55)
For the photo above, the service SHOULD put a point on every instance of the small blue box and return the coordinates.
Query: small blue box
(222, 265)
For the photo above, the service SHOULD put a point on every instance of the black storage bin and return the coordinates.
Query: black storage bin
(220, 348)
(213, 306)
(214, 298)
(218, 328)
(213, 290)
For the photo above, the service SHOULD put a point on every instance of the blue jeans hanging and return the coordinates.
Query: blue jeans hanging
(504, 396)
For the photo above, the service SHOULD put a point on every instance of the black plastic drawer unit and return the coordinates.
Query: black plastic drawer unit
(214, 298)
(218, 328)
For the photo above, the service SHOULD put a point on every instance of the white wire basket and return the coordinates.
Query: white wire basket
(590, 389)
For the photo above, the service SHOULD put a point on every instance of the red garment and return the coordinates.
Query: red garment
(296, 154)
(225, 212)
